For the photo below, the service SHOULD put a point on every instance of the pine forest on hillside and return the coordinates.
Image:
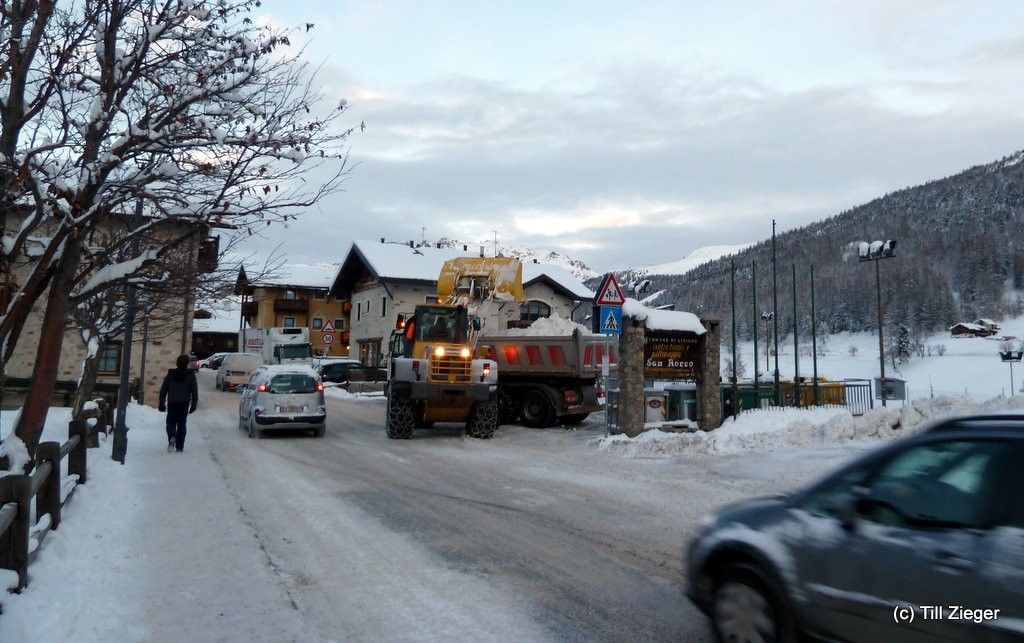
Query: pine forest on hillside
(959, 257)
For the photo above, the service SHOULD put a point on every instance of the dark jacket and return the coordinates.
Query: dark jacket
(180, 386)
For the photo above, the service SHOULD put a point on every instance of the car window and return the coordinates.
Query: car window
(293, 383)
(944, 484)
(834, 498)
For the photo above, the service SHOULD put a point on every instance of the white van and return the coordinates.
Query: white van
(236, 369)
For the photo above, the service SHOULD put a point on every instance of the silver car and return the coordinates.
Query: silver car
(922, 540)
(283, 396)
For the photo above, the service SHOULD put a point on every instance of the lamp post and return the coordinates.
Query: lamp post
(876, 251)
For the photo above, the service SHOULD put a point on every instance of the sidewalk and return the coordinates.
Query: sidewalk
(153, 550)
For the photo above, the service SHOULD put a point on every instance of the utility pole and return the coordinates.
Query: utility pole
(120, 446)
(775, 318)
(753, 281)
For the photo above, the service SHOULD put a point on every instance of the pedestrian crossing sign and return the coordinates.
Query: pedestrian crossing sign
(611, 320)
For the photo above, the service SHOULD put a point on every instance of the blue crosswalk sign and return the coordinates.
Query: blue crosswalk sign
(611, 320)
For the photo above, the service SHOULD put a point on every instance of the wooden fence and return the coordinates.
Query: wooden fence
(30, 505)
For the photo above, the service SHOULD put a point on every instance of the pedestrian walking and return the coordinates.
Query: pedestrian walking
(179, 395)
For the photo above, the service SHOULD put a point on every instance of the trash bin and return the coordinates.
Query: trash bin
(655, 405)
(682, 401)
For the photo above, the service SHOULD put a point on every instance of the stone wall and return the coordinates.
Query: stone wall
(709, 396)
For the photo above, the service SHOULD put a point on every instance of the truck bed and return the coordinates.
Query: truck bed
(576, 355)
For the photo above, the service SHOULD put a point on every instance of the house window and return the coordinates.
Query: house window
(109, 360)
(431, 299)
(339, 324)
(533, 310)
(383, 306)
(359, 311)
(289, 322)
(289, 294)
(318, 323)
(320, 295)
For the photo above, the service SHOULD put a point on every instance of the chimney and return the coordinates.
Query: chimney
(411, 245)
(382, 239)
(464, 248)
(481, 251)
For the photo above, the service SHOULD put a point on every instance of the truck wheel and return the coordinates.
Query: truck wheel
(400, 420)
(483, 420)
(535, 409)
(573, 419)
(507, 412)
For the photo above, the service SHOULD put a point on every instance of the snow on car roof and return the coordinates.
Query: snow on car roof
(277, 369)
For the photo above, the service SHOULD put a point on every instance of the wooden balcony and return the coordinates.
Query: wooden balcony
(291, 306)
(249, 309)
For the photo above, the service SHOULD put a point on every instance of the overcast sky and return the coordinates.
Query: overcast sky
(629, 134)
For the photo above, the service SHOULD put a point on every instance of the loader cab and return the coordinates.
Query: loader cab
(446, 324)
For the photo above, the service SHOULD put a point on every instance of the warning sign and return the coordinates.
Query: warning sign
(609, 293)
(328, 327)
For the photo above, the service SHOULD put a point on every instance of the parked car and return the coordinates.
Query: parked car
(283, 396)
(336, 370)
(193, 362)
(921, 540)
(213, 361)
(236, 369)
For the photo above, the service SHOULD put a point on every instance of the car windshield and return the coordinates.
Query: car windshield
(292, 383)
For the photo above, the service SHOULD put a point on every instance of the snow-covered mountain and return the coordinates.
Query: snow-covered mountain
(576, 267)
(690, 261)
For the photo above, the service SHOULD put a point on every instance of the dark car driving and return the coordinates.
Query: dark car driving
(921, 540)
(336, 370)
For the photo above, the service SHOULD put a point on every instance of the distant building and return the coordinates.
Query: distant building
(967, 329)
(383, 280)
(298, 297)
(989, 324)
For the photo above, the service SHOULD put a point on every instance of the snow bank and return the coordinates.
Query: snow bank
(779, 430)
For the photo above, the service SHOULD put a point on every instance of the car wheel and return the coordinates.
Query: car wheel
(253, 431)
(320, 431)
(747, 607)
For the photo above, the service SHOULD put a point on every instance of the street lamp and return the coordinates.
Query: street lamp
(876, 251)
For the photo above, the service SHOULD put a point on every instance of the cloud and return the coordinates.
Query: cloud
(639, 161)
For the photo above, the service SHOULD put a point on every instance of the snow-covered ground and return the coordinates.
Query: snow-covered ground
(93, 582)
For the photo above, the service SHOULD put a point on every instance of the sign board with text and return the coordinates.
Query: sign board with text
(671, 355)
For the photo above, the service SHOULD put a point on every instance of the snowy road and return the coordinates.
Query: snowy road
(533, 535)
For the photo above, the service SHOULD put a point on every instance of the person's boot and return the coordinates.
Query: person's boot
(170, 445)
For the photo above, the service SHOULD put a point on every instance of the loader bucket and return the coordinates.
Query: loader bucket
(479, 278)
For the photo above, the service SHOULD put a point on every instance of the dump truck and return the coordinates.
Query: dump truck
(543, 380)
(436, 372)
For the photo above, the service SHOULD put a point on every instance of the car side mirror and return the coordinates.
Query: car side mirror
(847, 509)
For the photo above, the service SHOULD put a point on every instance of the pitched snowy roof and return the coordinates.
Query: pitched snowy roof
(402, 262)
(320, 275)
(558, 278)
(662, 319)
(226, 318)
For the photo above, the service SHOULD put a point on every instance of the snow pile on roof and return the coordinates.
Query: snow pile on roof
(320, 275)
(546, 326)
(662, 319)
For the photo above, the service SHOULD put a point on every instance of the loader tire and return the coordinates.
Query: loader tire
(483, 420)
(401, 419)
